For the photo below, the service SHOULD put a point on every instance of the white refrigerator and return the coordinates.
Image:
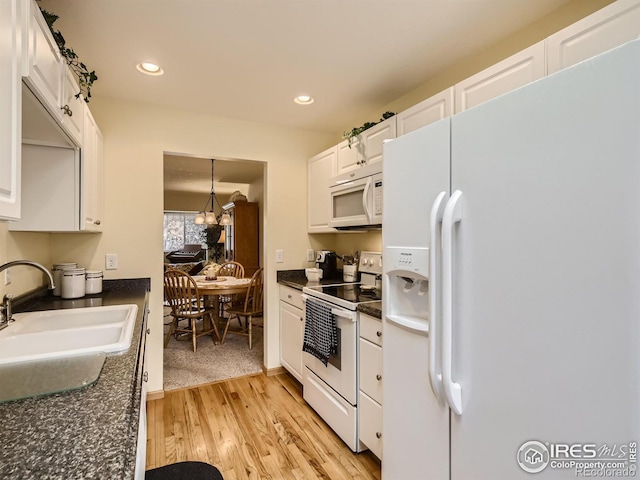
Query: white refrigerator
(511, 315)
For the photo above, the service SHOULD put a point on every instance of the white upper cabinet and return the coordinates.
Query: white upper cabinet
(42, 61)
(91, 183)
(349, 155)
(516, 71)
(319, 170)
(366, 148)
(374, 137)
(603, 30)
(428, 111)
(10, 108)
(72, 108)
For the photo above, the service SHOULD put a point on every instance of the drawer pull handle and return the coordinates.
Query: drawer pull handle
(378, 377)
(145, 377)
(378, 434)
(148, 331)
(289, 297)
(378, 333)
(67, 110)
(97, 222)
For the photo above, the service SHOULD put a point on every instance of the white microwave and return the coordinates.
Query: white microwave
(356, 198)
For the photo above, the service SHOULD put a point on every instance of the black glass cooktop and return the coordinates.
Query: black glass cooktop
(350, 292)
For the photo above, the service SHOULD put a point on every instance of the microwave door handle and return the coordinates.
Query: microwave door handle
(365, 202)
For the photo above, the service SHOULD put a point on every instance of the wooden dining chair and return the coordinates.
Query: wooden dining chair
(185, 300)
(229, 269)
(247, 310)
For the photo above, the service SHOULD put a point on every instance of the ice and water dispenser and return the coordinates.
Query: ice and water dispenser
(406, 287)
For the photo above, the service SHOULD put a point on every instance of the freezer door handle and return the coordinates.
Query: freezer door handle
(435, 372)
(452, 215)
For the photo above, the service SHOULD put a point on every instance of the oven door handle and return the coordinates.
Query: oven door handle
(344, 313)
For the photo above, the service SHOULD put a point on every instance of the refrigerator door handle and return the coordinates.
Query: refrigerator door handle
(435, 254)
(452, 215)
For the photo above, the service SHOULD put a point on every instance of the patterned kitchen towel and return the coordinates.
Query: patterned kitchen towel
(320, 331)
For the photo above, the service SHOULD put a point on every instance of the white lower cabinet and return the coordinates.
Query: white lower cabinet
(370, 393)
(291, 330)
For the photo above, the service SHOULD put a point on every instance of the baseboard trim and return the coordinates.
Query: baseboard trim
(270, 372)
(157, 395)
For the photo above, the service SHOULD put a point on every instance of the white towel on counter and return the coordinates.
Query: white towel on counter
(320, 331)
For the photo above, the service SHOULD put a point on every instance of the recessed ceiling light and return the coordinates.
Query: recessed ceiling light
(149, 68)
(303, 100)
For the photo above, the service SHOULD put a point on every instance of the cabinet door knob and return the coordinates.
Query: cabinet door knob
(67, 110)
(378, 434)
(97, 222)
(145, 377)
(289, 297)
(148, 331)
(378, 377)
(379, 333)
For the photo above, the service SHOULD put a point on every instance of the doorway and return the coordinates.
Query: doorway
(189, 182)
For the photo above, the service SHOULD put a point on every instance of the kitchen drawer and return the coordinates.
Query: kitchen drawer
(371, 369)
(371, 328)
(370, 421)
(291, 296)
(339, 414)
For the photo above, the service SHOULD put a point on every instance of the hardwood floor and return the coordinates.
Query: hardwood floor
(254, 427)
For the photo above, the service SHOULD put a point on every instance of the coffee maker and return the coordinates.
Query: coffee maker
(326, 261)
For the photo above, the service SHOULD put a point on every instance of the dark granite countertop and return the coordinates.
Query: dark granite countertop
(297, 279)
(89, 433)
(373, 309)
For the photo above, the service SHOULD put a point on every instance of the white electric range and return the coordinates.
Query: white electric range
(332, 389)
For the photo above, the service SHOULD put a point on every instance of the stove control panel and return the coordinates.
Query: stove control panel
(370, 262)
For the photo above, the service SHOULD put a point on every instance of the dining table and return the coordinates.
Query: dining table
(213, 289)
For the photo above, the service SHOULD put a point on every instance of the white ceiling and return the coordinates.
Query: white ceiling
(193, 175)
(247, 59)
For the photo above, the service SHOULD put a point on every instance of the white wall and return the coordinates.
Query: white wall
(136, 136)
(23, 246)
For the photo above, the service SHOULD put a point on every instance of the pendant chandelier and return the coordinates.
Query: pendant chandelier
(209, 217)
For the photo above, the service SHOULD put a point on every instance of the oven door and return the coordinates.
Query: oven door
(340, 372)
(351, 203)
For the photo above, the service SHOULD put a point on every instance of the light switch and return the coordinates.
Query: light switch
(279, 256)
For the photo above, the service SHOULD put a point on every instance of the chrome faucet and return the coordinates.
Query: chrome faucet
(6, 308)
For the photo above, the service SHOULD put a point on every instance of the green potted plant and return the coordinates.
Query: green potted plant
(355, 131)
(85, 77)
(211, 236)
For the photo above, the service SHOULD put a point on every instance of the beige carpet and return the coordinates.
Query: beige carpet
(210, 363)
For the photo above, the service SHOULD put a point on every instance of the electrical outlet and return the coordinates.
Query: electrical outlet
(311, 255)
(279, 256)
(111, 261)
(7, 276)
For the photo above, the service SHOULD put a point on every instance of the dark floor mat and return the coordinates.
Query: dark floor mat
(184, 471)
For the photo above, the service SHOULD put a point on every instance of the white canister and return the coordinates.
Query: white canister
(93, 283)
(349, 273)
(72, 282)
(57, 268)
